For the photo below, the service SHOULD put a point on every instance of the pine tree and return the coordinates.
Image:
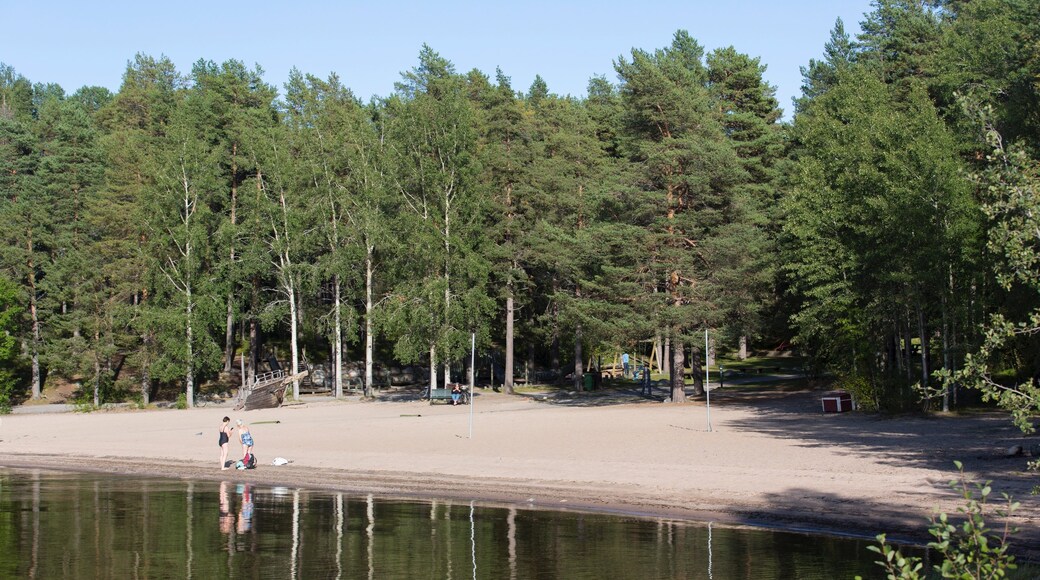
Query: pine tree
(750, 113)
(134, 125)
(693, 172)
(819, 76)
(236, 105)
(24, 210)
(506, 156)
(71, 171)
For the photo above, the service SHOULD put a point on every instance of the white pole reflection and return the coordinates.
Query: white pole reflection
(295, 532)
(370, 534)
(709, 550)
(35, 523)
(511, 535)
(339, 535)
(190, 504)
(473, 539)
(97, 521)
(447, 538)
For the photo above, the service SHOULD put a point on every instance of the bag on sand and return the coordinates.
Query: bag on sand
(249, 463)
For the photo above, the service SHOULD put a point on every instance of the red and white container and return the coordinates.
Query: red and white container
(837, 402)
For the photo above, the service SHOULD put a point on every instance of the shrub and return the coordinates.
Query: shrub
(862, 391)
(970, 550)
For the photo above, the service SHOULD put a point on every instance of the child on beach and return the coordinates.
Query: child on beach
(247, 441)
(225, 438)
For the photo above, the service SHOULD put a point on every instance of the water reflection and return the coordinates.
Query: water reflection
(90, 526)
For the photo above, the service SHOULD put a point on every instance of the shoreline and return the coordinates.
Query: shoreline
(772, 460)
(420, 487)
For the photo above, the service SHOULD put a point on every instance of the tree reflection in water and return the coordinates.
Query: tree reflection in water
(164, 528)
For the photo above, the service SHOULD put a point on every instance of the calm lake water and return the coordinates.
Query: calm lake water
(66, 525)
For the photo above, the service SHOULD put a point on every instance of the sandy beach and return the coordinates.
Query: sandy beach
(770, 458)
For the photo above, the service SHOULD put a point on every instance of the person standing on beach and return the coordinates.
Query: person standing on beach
(225, 438)
(247, 441)
(624, 365)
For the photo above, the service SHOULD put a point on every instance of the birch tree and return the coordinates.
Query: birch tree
(433, 139)
(181, 226)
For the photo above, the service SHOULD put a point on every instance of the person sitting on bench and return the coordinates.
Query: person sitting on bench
(456, 393)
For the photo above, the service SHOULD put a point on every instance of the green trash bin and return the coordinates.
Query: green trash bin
(589, 381)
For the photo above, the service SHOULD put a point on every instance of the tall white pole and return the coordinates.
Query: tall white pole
(707, 376)
(473, 373)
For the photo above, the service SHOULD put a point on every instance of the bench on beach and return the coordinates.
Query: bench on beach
(445, 395)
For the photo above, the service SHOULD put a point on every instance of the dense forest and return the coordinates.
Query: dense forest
(889, 231)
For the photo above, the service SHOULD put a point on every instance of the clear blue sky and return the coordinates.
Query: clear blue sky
(368, 44)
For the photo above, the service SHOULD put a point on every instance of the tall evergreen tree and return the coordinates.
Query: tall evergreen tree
(506, 156)
(751, 117)
(134, 124)
(24, 212)
(237, 105)
(693, 170)
(820, 75)
(71, 170)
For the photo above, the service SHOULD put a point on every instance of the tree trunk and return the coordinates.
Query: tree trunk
(229, 332)
(556, 337)
(146, 372)
(337, 344)
(677, 371)
(908, 349)
(294, 340)
(668, 352)
(697, 371)
(97, 370)
(369, 314)
(189, 383)
(254, 351)
(229, 336)
(433, 368)
(447, 281)
(34, 314)
(742, 350)
(711, 352)
(922, 333)
(946, 351)
(579, 370)
(507, 383)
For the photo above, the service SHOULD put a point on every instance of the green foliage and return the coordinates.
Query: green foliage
(144, 229)
(1012, 183)
(970, 549)
(896, 565)
(10, 319)
(866, 395)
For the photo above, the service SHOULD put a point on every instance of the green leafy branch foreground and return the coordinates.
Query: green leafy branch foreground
(970, 550)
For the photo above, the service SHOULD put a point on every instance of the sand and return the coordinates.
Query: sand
(770, 458)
